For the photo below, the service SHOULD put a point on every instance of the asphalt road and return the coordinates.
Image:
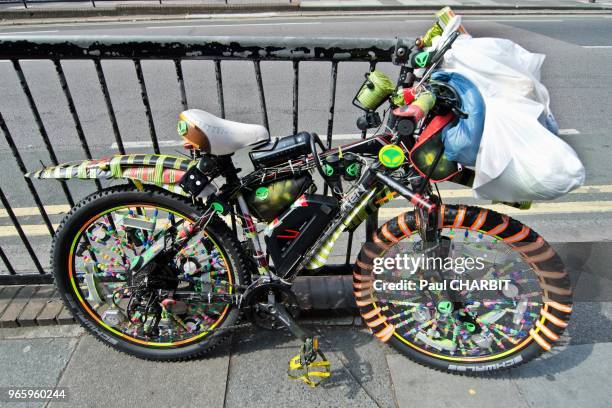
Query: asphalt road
(576, 72)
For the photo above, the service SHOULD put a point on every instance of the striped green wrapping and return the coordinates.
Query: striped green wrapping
(116, 168)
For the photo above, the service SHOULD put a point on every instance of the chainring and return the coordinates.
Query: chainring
(256, 302)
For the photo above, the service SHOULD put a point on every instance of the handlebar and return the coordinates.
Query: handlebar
(447, 45)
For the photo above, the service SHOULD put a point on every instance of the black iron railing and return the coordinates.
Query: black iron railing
(177, 49)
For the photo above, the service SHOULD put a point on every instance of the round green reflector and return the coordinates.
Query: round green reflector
(391, 156)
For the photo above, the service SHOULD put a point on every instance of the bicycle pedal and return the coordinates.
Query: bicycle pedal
(310, 365)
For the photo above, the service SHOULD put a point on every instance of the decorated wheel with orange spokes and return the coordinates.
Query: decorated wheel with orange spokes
(490, 293)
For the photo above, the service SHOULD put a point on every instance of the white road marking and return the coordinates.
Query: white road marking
(325, 3)
(144, 144)
(357, 136)
(28, 211)
(441, 3)
(446, 193)
(32, 230)
(341, 136)
(536, 208)
(27, 32)
(178, 143)
(235, 25)
(524, 20)
(467, 193)
(233, 15)
(597, 46)
(494, 20)
(568, 132)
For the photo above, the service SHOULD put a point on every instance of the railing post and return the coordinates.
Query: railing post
(41, 127)
(22, 168)
(7, 263)
(109, 105)
(372, 220)
(219, 78)
(181, 82)
(22, 235)
(74, 113)
(145, 101)
(332, 103)
(296, 88)
(262, 97)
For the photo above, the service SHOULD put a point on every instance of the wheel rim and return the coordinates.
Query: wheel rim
(110, 241)
(429, 322)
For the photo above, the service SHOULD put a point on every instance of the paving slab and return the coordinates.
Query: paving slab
(570, 376)
(33, 363)
(258, 372)
(579, 376)
(419, 386)
(364, 356)
(38, 332)
(591, 322)
(99, 376)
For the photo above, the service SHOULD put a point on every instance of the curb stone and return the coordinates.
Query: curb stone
(39, 305)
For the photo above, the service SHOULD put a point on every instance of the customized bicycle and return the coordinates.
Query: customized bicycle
(153, 269)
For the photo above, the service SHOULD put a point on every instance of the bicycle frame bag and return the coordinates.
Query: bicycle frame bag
(427, 155)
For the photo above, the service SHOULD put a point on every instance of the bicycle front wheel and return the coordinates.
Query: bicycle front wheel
(506, 309)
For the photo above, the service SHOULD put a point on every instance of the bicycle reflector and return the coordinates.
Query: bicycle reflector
(374, 90)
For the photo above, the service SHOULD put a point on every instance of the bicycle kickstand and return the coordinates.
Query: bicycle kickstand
(310, 365)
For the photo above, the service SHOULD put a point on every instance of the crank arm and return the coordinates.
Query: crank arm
(282, 315)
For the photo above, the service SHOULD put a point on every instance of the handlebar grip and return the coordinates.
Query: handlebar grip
(425, 101)
(427, 39)
(419, 108)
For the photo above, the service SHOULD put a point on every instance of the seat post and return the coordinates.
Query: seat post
(227, 168)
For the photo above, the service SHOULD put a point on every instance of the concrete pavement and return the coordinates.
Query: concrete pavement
(250, 370)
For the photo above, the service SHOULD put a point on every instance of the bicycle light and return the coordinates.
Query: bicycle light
(374, 90)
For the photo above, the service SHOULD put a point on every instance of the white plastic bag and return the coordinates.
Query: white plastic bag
(518, 158)
(499, 67)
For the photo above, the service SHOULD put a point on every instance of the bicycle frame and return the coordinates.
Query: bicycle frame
(374, 189)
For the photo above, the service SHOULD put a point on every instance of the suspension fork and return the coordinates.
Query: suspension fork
(427, 210)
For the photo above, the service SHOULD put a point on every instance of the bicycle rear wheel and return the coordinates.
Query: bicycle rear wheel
(164, 312)
(464, 327)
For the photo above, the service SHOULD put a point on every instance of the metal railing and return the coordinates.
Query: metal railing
(177, 49)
